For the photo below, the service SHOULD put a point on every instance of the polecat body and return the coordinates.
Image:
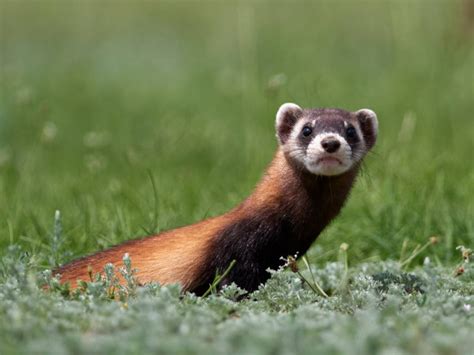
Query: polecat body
(303, 189)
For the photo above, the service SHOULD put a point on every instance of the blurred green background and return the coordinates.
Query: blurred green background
(101, 101)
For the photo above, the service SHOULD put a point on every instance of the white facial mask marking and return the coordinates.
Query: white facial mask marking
(292, 145)
(309, 156)
(316, 151)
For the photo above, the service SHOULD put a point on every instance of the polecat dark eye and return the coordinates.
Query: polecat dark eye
(351, 132)
(307, 131)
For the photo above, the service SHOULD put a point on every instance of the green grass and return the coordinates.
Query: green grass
(131, 118)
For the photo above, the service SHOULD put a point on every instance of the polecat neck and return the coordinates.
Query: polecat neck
(283, 216)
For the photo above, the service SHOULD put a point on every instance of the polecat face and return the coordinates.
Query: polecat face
(325, 141)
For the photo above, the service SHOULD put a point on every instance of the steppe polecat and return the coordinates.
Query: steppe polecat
(303, 189)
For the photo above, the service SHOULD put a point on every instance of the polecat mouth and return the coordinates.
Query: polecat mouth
(328, 160)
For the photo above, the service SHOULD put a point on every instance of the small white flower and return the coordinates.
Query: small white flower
(96, 139)
(24, 95)
(95, 162)
(467, 307)
(277, 81)
(49, 132)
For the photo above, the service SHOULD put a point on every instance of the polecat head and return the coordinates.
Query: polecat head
(325, 141)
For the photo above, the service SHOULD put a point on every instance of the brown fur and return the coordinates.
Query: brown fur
(170, 257)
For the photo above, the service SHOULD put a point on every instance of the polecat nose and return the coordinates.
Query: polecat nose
(330, 145)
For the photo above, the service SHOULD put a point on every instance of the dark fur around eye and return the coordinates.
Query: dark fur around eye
(307, 131)
(351, 132)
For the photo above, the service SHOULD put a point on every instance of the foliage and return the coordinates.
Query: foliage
(372, 314)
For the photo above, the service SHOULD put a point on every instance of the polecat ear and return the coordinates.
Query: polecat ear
(369, 126)
(286, 118)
